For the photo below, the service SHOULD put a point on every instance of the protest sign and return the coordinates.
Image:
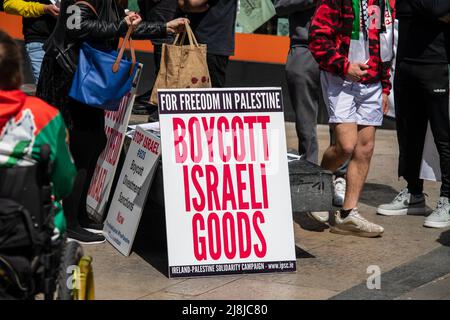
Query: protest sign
(226, 181)
(132, 189)
(116, 123)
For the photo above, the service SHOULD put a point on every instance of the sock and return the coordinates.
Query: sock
(345, 213)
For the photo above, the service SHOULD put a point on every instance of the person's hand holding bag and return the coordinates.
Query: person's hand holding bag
(177, 25)
(133, 19)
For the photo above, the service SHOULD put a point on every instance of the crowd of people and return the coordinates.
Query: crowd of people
(340, 57)
(52, 48)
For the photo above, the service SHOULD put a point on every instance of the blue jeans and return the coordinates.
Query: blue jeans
(35, 51)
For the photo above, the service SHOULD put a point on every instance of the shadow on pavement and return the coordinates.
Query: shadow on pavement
(375, 194)
(308, 223)
(302, 254)
(151, 243)
(444, 238)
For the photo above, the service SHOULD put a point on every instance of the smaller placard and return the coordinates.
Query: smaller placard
(132, 189)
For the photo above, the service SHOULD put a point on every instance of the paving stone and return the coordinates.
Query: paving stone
(164, 295)
(438, 289)
(257, 289)
(198, 286)
(119, 277)
(327, 263)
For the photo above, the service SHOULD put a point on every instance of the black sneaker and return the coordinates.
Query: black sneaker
(140, 109)
(83, 236)
(153, 117)
(91, 226)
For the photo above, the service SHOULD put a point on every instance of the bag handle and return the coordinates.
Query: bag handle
(87, 4)
(127, 38)
(116, 64)
(192, 39)
(190, 33)
(176, 42)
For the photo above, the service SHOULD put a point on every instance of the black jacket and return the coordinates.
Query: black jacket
(38, 29)
(422, 37)
(159, 11)
(299, 13)
(433, 8)
(102, 31)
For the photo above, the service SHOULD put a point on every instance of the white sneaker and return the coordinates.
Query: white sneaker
(440, 217)
(356, 225)
(404, 203)
(321, 216)
(340, 186)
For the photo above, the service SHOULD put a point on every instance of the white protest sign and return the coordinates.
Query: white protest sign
(116, 123)
(132, 189)
(226, 181)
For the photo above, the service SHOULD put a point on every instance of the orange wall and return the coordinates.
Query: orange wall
(249, 47)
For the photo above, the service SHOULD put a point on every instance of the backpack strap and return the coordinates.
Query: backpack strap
(87, 4)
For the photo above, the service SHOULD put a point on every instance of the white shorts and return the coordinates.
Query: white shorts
(352, 102)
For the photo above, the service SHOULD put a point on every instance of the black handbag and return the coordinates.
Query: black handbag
(16, 226)
(65, 61)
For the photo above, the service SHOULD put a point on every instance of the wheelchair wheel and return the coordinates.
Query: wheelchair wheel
(71, 256)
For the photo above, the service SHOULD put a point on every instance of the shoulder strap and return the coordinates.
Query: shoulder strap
(128, 39)
(88, 5)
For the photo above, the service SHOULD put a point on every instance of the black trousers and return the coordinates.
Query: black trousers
(217, 66)
(422, 95)
(87, 141)
(157, 53)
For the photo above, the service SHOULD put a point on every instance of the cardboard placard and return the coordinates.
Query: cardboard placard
(116, 123)
(132, 189)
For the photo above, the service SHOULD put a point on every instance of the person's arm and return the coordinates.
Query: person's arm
(322, 37)
(28, 9)
(433, 8)
(286, 7)
(386, 79)
(386, 67)
(91, 26)
(150, 30)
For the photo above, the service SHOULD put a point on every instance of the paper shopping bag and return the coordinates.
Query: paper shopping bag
(182, 66)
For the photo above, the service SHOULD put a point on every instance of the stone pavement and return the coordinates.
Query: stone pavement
(328, 265)
(438, 289)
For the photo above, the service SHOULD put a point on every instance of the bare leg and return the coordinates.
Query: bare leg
(359, 166)
(346, 140)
